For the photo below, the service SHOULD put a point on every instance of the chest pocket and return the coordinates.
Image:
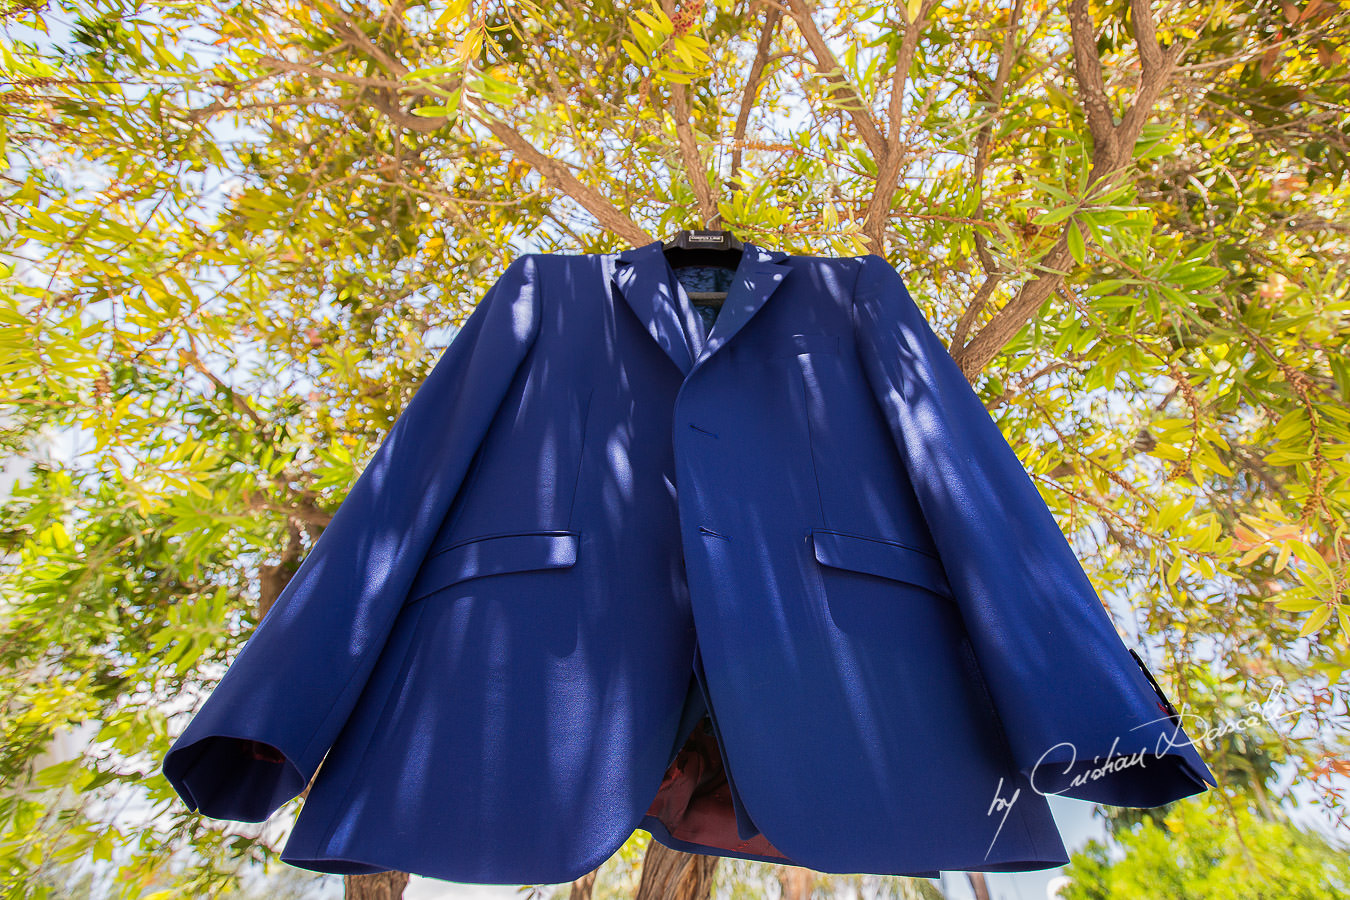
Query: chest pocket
(494, 554)
(883, 557)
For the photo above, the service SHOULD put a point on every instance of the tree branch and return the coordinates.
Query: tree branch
(1113, 146)
(829, 67)
(993, 272)
(606, 213)
(888, 166)
(773, 14)
(694, 166)
(972, 312)
(189, 357)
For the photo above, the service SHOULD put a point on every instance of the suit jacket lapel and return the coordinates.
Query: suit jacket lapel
(641, 276)
(647, 282)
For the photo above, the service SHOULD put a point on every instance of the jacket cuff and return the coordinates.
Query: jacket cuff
(236, 778)
(1142, 770)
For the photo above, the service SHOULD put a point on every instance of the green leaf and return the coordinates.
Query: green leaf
(58, 774)
(653, 24)
(1307, 554)
(1051, 216)
(1296, 604)
(1076, 245)
(1315, 621)
(427, 72)
(634, 52)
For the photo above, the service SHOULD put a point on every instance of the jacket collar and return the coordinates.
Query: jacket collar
(648, 284)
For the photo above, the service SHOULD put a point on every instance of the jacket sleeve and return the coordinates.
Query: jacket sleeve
(1081, 714)
(260, 736)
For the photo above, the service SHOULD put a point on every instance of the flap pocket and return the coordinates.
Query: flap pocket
(493, 555)
(878, 556)
(797, 344)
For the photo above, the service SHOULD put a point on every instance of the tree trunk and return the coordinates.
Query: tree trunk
(582, 887)
(674, 875)
(797, 882)
(380, 886)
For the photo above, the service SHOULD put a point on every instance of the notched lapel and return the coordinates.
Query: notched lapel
(759, 275)
(640, 275)
(647, 282)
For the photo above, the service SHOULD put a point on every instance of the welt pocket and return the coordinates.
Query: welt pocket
(797, 344)
(880, 556)
(494, 554)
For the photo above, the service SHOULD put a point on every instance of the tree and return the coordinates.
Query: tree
(238, 236)
(1202, 853)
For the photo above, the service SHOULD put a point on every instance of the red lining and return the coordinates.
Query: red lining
(694, 800)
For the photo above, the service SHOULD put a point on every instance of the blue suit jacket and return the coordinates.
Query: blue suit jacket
(779, 591)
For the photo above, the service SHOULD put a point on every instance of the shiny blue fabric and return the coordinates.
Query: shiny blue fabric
(776, 589)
